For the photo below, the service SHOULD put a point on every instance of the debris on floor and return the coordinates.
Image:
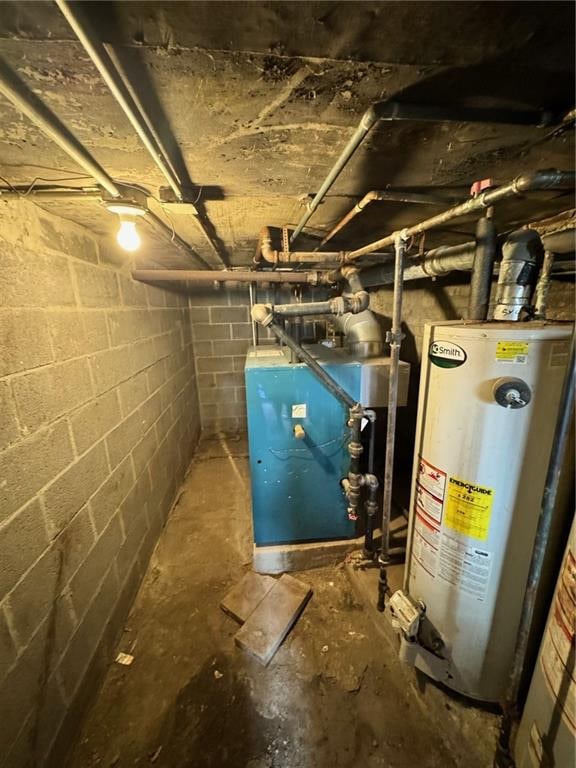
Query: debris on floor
(243, 599)
(125, 659)
(273, 617)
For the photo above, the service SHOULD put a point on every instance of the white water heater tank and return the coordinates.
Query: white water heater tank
(489, 394)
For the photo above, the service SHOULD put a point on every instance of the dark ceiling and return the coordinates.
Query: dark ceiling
(255, 101)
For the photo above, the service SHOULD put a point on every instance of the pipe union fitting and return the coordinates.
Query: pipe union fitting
(355, 450)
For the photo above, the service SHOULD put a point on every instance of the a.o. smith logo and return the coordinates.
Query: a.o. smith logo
(446, 354)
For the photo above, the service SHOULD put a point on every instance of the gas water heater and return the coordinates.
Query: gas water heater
(489, 394)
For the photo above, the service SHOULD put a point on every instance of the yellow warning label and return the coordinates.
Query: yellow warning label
(512, 351)
(468, 508)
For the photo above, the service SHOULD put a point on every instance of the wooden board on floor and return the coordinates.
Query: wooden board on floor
(243, 599)
(264, 631)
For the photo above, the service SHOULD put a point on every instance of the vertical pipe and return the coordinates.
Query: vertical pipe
(542, 286)
(394, 337)
(561, 435)
(252, 289)
(484, 258)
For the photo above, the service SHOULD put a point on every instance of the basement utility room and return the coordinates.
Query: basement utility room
(287, 384)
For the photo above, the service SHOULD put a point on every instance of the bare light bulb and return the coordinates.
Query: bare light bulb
(128, 237)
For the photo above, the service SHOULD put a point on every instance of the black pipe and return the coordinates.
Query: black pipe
(305, 356)
(483, 268)
(503, 757)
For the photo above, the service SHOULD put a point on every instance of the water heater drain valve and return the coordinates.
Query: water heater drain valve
(406, 614)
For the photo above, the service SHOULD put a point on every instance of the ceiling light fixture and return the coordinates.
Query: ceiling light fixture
(127, 236)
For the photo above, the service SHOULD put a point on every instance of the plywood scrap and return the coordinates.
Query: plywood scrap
(263, 633)
(243, 599)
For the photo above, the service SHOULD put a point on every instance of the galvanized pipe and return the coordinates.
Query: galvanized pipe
(555, 463)
(30, 105)
(101, 61)
(483, 268)
(391, 110)
(124, 93)
(394, 337)
(528, 182)
(223, 276)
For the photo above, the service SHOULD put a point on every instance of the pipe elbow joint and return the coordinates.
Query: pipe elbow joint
(262, 314)
(359, 301)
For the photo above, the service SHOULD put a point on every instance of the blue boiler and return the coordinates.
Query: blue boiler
(296, 493)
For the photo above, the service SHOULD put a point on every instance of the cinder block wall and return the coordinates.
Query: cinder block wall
(98, 422)
(222, 333)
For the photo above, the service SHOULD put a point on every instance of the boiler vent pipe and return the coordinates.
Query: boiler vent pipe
(391, 111)
(30, 105)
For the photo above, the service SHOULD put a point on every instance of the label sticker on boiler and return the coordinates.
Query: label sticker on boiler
(512, 352)
(299, 411)
(468, 508)
(446, 354)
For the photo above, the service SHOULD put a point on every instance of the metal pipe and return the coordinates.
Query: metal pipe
(542, 286)
(124, 93)
(557, 454)
(340, 305)
(394, 337)
(262, 314)
(223, 276)
(391, 110)
(528, 182)
(522, 255)
(371, 503)
(483, 268)
(30, 105)
(253, 295)
(363, 333)
(49, 193)
(101, 61)
(265, 251)
(379, 195)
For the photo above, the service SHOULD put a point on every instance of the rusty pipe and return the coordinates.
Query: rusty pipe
(527, 182)
(379, 195)
(224, 276)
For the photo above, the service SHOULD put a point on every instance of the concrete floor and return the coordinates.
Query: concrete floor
(332, 696)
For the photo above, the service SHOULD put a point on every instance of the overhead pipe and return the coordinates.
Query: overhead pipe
(266, 252)
(30, 105)
(503, 757)
(380, 195)
(527, 182)
(393, 111)
(124, 93)
(224, 276)
(394, 337)
(483, 267)
(99, 57)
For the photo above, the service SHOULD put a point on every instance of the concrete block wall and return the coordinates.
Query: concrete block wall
(222, 333)
(98, 421)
